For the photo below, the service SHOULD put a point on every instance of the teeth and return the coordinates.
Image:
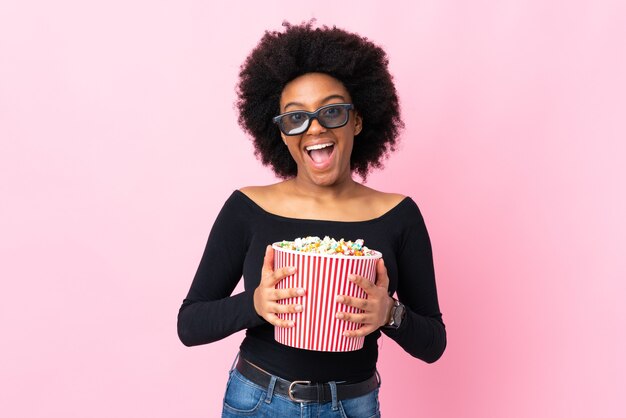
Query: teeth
(318, 146)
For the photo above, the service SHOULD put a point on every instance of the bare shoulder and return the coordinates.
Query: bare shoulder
(392, 199)
(263, 195)
(381, 202)
(253, 191)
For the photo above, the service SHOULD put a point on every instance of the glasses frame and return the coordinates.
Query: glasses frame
(312, 115)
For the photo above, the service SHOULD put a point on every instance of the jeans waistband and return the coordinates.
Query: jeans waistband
(305, 391)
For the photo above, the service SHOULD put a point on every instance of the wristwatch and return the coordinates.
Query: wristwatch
(397, 315)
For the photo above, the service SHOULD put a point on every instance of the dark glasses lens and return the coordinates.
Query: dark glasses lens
(329, 116)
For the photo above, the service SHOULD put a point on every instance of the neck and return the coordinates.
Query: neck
(342, 188)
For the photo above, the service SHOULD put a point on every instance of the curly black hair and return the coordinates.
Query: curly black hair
(356, 62)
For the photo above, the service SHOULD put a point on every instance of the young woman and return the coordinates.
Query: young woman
(321, 107)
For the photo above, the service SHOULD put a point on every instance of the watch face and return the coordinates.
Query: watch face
(398, 314)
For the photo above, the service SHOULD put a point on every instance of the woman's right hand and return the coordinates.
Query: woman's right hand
(266, 296)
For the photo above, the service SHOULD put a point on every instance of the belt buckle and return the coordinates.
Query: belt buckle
(290, 390)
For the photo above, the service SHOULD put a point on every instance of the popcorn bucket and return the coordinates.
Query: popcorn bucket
(323, 277)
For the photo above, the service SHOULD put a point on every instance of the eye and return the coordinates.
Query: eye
(332, 112)
(296, 118)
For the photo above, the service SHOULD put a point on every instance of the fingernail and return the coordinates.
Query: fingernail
(298, 308)
(339, 298)
(351, 277)
(339, 315)
(291, 323)
(291, 270)
(300, 292)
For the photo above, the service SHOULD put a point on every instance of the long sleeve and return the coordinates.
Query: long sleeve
(422, 333)
(209, 313)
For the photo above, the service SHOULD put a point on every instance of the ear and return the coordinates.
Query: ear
(358, 124)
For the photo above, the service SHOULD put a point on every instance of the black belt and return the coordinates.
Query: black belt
(302, 390)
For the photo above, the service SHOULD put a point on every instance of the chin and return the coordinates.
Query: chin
(325, 179)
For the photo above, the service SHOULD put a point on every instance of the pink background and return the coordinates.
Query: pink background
(119, 144)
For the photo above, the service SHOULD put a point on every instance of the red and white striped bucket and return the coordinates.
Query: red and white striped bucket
(323, 277)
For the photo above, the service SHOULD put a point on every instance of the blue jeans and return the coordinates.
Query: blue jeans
(246, 399)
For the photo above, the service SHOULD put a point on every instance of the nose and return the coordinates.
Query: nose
(315, 127)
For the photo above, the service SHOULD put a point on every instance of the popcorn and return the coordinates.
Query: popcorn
(328, 246)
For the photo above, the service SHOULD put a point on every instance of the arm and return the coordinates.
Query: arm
(422, 332)
(209, 313)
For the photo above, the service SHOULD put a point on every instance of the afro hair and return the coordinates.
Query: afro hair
(357, 63)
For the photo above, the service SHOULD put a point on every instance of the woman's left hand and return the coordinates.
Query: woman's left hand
(376, 308)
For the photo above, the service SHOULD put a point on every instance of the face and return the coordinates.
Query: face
(322, 154)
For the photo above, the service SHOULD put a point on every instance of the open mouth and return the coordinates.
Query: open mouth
(320, 153)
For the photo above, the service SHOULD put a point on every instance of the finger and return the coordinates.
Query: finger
(362, 282)
(382, 278)
(357, 318)
(283, 309)
(361, 332)
(279, 294)
(352, 301)
(277, 322)
(283, 272)
(280, 274)
(268, 259)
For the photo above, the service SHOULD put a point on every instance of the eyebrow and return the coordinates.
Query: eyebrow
(326, 99)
